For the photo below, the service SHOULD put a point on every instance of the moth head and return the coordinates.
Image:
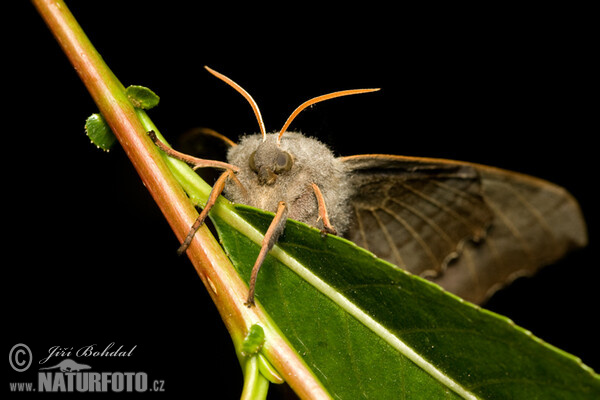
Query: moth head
(269, 161)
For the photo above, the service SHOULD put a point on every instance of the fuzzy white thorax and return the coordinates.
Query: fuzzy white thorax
(314, 162)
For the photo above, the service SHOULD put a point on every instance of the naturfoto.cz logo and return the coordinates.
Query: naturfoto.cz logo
(68, 375)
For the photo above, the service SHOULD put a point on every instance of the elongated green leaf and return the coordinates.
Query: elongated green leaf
(370, 330)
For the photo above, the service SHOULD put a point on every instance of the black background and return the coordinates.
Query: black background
(88, 258)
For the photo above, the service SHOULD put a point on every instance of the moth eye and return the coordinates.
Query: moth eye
(251, 162)
(284, 162)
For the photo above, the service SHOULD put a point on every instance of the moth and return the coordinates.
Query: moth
(470, 228)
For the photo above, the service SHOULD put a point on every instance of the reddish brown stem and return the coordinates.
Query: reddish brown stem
(225, 287)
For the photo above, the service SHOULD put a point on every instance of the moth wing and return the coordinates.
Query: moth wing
(200, 141)
(470, 228)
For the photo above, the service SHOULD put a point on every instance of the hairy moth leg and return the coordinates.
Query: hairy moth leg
(273, 233)
(327, 227)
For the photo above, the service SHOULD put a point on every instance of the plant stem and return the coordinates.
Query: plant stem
(255, 385)
(224, 285)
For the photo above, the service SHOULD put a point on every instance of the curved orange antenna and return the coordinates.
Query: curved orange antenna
(316, 100)
(247, 96)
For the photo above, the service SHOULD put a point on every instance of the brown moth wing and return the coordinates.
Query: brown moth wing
(204, 143)
(470, 228)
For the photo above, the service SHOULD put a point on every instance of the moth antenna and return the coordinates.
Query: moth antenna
(246, 95)
(316, 100)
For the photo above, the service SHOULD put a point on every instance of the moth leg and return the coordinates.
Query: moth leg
(327, 227)
(212, 198)
(273, 233)
(216, 190)
(235, 180)
(194, 161)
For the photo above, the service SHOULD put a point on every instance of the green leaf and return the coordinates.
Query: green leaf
(99, 132)
(268, 371)
(142, 97)
(370, 330)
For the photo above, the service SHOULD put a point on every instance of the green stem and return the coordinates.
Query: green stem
(256, 386)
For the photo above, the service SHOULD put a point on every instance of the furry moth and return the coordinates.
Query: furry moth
(468, 227)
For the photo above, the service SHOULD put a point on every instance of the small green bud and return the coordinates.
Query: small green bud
(99, 132)
(142, 97)
(254, 340)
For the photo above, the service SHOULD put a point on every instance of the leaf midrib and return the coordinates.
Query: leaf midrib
(242, 226)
